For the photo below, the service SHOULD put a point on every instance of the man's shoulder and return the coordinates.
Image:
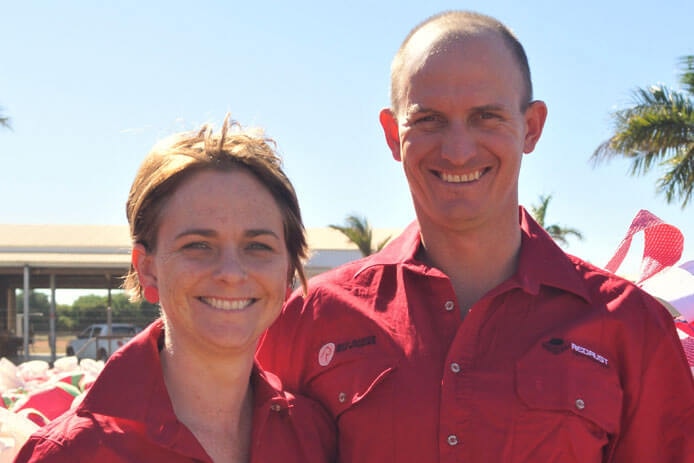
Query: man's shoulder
(357, 273)
(621, 296)
(598, 279)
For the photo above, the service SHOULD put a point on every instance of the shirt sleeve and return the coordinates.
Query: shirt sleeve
(659, 425)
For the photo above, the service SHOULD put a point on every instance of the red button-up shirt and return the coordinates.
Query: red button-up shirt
(127, 416)
(564, 362)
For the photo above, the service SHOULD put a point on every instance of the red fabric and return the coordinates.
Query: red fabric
(688, 346)
(563, 362)
(663, 245)
(127, 417)
(687, 341)
(50, 401)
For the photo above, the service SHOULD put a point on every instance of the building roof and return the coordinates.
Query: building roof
(96, 256)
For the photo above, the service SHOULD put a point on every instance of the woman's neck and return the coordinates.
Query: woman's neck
(221, 422)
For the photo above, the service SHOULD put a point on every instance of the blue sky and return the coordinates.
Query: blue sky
(90, 86)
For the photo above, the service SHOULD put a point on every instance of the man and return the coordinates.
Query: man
(472, 336)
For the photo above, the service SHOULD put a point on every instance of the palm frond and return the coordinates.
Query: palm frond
(4, 120)
(657, 131)
(557, 232)
(687, 76)
(358, 231)
(539, 211)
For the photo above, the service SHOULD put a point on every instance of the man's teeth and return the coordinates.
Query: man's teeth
(226, 304)
(453, 178)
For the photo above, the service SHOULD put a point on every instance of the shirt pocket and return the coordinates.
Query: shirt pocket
(350, 380)
(570, 405)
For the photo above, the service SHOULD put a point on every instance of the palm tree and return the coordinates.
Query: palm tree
(658, 130)
(359, 232)
(4, 120)
(557, 232)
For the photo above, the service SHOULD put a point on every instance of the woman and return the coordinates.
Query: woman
(217, 240)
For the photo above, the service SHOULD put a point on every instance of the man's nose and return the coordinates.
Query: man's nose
(458, 143)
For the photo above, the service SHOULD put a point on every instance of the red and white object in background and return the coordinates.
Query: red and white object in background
(663, 244)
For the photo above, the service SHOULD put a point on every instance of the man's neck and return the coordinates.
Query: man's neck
(476, 260)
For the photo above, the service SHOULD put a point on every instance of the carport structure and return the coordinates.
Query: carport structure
(55, 257)
(84, 257)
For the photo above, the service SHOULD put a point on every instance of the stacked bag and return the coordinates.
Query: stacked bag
(33, 394)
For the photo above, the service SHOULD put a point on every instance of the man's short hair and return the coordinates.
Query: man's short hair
(456, 25)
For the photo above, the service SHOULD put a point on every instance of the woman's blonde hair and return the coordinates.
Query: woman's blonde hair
(176, 158)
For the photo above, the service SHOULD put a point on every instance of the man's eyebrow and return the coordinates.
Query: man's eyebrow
(416, 108)
(490, 107)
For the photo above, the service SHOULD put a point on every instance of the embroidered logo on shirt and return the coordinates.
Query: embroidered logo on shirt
(555, 345)
(361, 342)
(328, 351)
(588, 353)
(558, 345)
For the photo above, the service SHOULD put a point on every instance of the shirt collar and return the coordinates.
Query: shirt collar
(141, 354)
(267, 390)
(146, 400)
(541, 261)
(399, 251)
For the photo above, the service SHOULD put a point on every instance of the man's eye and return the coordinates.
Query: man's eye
(428, 118)
(488, 115)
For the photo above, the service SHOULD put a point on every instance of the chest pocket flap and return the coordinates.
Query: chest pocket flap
(572, 380)
(349, 378)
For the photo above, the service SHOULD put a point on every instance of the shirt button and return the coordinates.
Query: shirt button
(455, 368)
(341, 397)
(452, 440)
(275, 407)
(580, 404)
(450, 305)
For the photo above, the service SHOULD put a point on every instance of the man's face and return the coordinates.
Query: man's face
(461, 131)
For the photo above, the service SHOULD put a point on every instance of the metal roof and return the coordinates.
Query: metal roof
(97, 256)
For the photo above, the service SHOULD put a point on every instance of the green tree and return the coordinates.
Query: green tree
(559, 233)
(658, 131)
(91, 308)
(39, 309)
(358, 231)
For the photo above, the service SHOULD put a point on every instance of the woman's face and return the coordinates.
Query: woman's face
(221, 264)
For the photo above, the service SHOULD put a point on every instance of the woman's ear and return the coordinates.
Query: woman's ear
(143, 262)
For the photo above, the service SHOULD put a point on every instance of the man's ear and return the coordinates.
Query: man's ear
(143, 262)
(390, 129)
(535, 116)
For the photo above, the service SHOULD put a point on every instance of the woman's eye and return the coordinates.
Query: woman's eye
(258, 246)
(196, 245)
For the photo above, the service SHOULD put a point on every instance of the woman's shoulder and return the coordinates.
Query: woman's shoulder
(65, 439)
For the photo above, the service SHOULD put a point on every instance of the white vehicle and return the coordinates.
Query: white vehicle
(97, 343)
